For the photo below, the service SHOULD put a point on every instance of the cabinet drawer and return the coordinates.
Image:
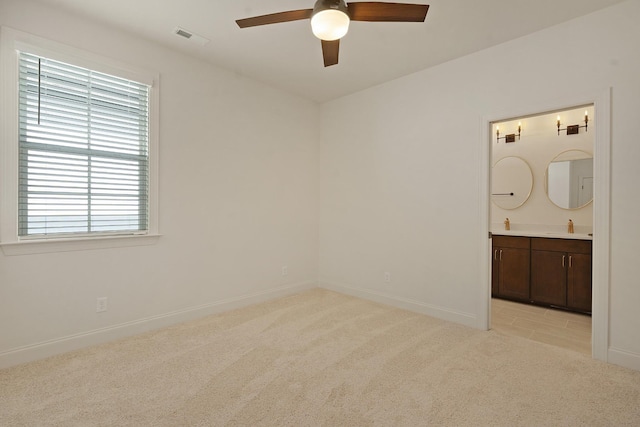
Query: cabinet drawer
(561, 245)
(511, 242)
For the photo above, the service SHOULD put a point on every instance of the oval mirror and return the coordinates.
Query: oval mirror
(569, 180)
(511, 184)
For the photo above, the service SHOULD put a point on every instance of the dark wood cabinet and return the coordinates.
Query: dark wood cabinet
(545, 271)
(561, 273)
(510, 273)
(548, 277)
(579, 282)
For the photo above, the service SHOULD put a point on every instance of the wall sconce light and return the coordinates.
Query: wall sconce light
(574, 129)
(511, 137)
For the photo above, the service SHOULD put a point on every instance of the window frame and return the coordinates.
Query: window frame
(11, 42)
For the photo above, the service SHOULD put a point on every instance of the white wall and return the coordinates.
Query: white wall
(238, 200)
(400, 165)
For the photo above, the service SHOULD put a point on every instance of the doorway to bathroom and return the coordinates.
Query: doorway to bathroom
(540, 208)
(550, 147)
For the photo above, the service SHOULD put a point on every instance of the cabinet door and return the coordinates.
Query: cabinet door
(514, 273)
(549, 277)
(579, 282)
(495, 272)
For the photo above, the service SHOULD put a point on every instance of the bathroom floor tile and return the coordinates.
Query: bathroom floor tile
(555, 327)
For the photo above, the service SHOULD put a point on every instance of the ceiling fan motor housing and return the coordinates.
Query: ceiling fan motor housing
(330, 4)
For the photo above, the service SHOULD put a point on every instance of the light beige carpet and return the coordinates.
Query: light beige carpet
(320, 358)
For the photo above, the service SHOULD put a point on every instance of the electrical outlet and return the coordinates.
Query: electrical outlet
(101, 304)
(285, 270)
(387, 276)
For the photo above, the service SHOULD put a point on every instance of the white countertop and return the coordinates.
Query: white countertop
(537, 233)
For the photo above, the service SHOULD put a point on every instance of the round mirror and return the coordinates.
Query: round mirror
(569, 180)
(512, 181)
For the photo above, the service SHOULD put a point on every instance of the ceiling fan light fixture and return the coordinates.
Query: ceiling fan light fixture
(330, 20)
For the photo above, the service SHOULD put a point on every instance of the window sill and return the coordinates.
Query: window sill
(29, 247)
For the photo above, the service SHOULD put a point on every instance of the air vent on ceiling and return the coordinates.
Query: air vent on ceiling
(183, 33)
(192, 37)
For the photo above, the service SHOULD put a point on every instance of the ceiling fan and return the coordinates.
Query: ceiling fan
(330, 19)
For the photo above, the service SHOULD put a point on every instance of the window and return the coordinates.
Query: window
(78, 149)
(83, 150)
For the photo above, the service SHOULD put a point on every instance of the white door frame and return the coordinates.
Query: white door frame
(601, 100)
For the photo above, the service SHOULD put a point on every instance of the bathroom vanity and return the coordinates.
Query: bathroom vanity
(542, 211)
(548, 271)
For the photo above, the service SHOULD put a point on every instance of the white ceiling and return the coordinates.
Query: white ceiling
(289, 57)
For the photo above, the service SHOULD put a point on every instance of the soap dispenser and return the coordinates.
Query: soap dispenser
(570, 227)
(507, 224)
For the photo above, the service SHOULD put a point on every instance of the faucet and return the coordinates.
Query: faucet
(570, 227)
(507, 224)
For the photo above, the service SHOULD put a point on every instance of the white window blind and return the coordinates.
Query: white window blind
(83, 151)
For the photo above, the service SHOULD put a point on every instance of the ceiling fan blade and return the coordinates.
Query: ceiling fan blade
(330, 50)
(387, 12)
(275, 18)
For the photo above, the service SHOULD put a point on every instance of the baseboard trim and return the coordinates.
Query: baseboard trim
(443, 313)
(624, 358)
(68, 343)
